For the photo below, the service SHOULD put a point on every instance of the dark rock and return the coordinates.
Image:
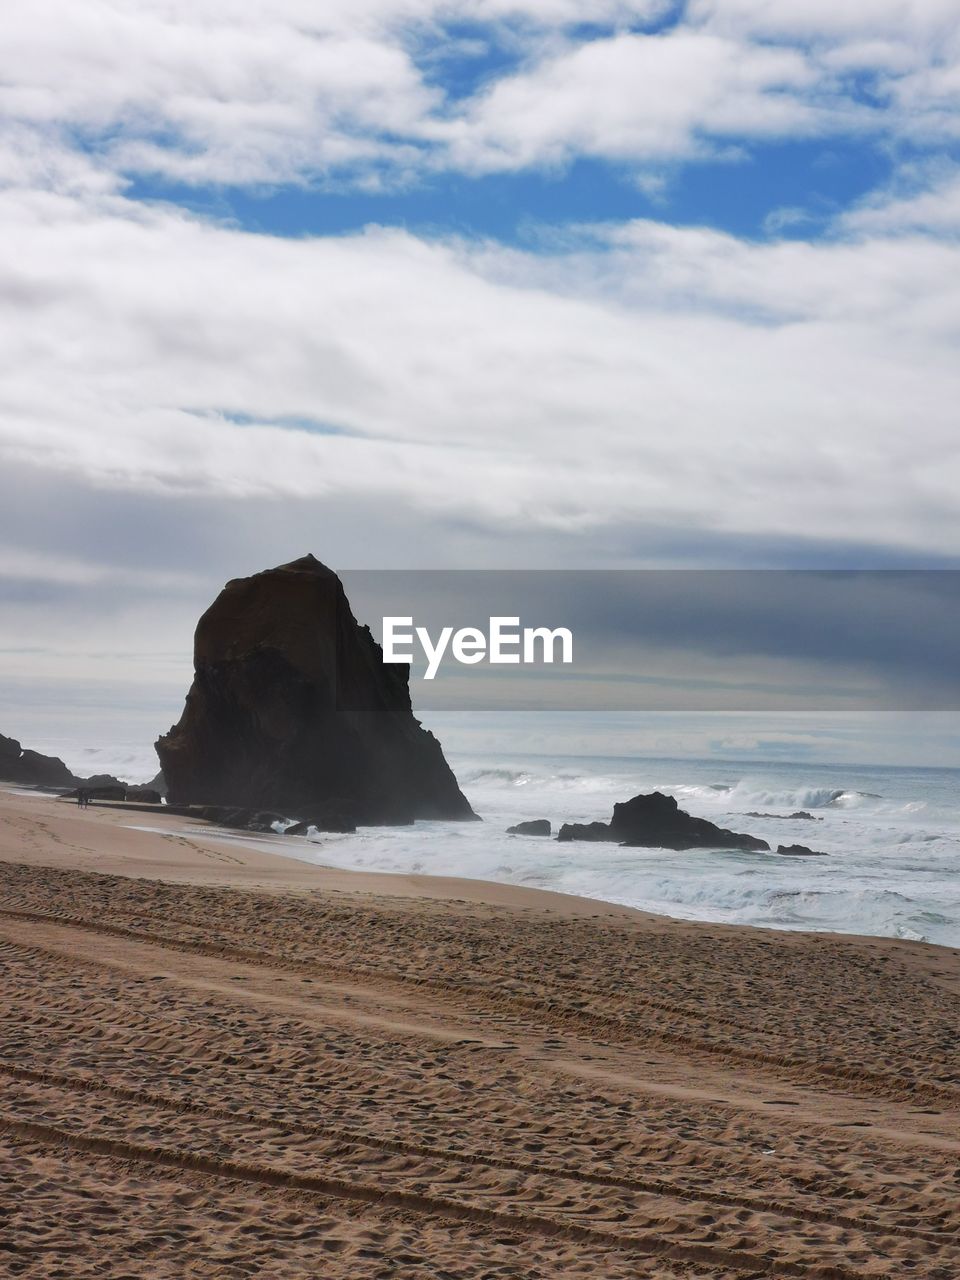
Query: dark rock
(159, 784)
(799, 851)
(786, 817)
(585, 831)
(103, 781)
(656, 821)
(234, 816)
(144, 795)
(299, 829)
(260, 820)
(326, 823)
(31, 769)
(118, 792)
(292, 709)
(49, 773)
(44, 771)
(534, 827)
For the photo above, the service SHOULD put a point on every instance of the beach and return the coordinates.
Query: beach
(218, 1061)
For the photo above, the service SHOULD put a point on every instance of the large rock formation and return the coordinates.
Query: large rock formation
(30, 768)
(656, 821)
(292, 709)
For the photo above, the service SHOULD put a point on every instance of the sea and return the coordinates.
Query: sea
(891, 836)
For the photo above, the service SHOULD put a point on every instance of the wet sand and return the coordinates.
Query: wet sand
(220, 1062)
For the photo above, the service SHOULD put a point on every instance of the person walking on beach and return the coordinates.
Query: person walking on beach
(82, 799)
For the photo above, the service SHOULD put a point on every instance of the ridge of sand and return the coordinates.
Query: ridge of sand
(220, 1062)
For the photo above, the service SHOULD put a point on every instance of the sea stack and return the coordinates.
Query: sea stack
(292, 709)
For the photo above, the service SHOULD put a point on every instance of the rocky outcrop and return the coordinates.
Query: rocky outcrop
(785, 817)
(31, 769)
(293, 710)
(799, 851)
(104, 782)
(586, 831)
(533, 827)
(115, 791)
(656, 821)
(49, 773)
(143, 795)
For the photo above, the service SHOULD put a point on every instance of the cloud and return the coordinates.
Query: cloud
(887, 283)
(814, 19)
(648, 374)
(219, 92)
(921, 202)
(209, 92)
(901, 58)
(633, 97)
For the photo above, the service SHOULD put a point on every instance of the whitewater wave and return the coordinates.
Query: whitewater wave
(747, 792)
(494, 780)
(496, 777)
(744, 793)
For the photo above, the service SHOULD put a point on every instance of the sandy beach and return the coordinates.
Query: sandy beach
(221, 1062)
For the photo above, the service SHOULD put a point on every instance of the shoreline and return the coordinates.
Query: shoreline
(188, 851)
(180, 855)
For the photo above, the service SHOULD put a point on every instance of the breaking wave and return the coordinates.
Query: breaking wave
(751, 793)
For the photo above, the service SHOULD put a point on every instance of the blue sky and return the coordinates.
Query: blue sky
(784, 190)
(464, 283)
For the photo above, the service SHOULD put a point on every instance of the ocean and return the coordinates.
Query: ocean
(892, 835)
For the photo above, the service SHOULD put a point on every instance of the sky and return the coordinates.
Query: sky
(411, 284)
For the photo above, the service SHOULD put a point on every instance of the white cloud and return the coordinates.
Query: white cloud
(226, 91)
(208, 93)
(822, 19)
(634, 97)
(674, 377)
(218, 91)
(932, 206)
(639, 373)
(888, 285)
(39, 159)
(904, 53)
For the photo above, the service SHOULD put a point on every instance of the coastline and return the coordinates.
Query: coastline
(246, 1064)
(169, 847)
(38, 829)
